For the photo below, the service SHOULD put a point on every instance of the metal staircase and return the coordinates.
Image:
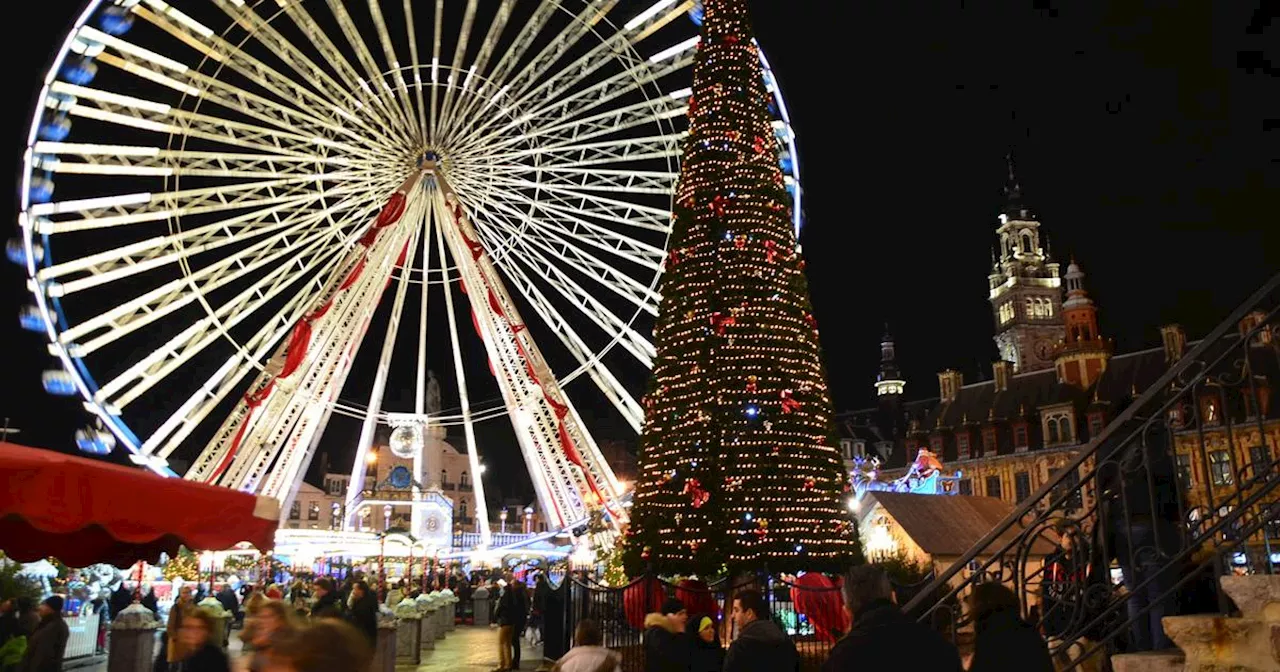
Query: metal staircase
(1180, 488)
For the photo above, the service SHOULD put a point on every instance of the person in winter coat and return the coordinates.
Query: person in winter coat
(272, 622)
(588, 654)
(202, 654)
(513, 612)
(761, 645)
(173, 651)
(882, 637)
(121, 598)
(48, 643)
(666, 647)
(1002, 640)
(364, 611)
(705, 652)
(150, 601)
(327, 604)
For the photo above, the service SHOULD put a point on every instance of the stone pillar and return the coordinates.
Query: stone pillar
(408, 633)
(426, 634)
(480, 606)
(442, 616)
(133, 640)
(384, 652)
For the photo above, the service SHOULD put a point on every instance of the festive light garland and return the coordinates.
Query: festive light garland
(737, 465)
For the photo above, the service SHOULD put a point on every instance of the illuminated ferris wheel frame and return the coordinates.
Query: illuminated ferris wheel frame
(37, 245)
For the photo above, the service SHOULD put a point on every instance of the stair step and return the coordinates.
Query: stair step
(1171, 660)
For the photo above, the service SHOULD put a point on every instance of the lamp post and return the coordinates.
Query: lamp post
(503, 517)
(528, 519)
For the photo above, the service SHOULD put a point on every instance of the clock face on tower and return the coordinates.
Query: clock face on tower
(1043, 349)
(433, 524)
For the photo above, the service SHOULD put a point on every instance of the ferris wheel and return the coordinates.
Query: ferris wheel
(225, 202)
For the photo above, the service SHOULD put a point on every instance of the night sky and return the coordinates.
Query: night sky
(1143, 134)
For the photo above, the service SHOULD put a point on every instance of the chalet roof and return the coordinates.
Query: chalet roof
(947, 526)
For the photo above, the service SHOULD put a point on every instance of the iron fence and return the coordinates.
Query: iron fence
(1181, 487)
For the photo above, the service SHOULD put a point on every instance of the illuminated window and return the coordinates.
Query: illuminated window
(1048, 307)
(1064, 429)
(464, 480)
(1220, 467)
(313, 511)
(1260, 458)
(1185, 473)
(295, 510)
(962, 445)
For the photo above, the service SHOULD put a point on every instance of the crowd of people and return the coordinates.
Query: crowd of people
(880, 635)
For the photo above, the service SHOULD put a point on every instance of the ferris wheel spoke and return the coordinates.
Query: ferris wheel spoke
(587, 359)
(139, 207)
(327, 101)
(211, 90)
(505, 67)
(276, 252)
(571, 228)
(150, 370)
(452, 83)
(412, 115)
(572, 292)
(358, 99)
(416, 65)
(553, 102)
(620, 45)
(654, 182)
(558, 248)
(604, 208)
(627, 150)
(375, 80)
(144, 161)
(74, 275)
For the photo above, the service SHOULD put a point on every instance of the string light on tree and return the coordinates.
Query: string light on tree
(737, 465)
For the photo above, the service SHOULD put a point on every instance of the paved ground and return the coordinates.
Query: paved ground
(467, 649)
(471, 649)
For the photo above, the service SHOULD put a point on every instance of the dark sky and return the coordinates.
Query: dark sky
(1143, 134)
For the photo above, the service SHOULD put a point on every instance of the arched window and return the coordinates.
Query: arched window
(1048, 307)
(1031, 307)
(1026, 243)
(463, 480)
(462, 509)
(1053, 431)
(444, 476)
(1064, 428)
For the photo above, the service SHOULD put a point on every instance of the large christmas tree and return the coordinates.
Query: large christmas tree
(737, 466)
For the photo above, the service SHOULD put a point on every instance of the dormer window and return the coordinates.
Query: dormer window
(1020, 443)
(846, 448)
(1058, 427)
(1209, 411)
(989, 441)
(859, 449)
(935, 444)
(962, 444)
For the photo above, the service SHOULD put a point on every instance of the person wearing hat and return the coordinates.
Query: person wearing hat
(705, 652)
(48, 643)
(666, 646)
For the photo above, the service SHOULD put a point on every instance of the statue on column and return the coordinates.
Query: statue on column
(433, 394)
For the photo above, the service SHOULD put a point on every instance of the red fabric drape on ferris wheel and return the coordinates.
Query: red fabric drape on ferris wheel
(817, 598)
(391, 212)
(84, 511)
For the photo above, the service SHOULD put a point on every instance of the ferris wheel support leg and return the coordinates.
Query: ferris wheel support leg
(473, 458)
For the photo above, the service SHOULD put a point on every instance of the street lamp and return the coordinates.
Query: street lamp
(528, 519)
(503, 517)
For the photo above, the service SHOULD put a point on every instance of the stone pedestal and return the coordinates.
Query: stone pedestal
(426, 635)
(444, 620)
(384, 652)
(133, 640)
(480, 606)
(408, 633)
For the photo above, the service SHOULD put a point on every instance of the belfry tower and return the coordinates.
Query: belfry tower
(1025, 289)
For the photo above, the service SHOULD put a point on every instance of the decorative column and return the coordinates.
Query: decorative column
(426, 610)
(480, 606)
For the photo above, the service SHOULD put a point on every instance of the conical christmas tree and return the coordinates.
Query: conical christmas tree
(737, 466)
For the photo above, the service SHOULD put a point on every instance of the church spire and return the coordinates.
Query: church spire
(1015, 206)
(1083, 354)
(889, 381)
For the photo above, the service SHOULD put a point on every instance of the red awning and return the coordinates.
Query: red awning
(83, 511)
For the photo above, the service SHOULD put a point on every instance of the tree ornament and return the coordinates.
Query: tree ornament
(789, 405)
(770, 251)
(751, 383)
(698, 496)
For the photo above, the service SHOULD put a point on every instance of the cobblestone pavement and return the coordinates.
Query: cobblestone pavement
(471, 649)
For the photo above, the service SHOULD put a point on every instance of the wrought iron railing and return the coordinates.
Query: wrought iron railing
(1182, 486)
